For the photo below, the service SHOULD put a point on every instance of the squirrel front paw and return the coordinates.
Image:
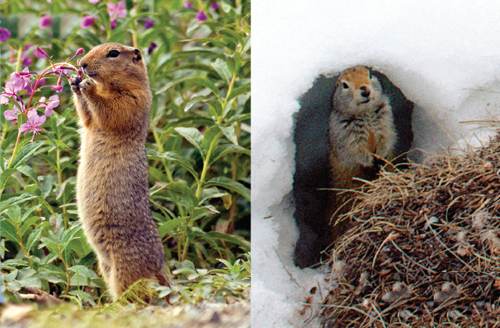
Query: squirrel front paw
(86, 84)
(75, 82)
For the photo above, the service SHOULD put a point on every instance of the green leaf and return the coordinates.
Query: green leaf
(26, 152)
(237, 118)
(245, 245)
(33, 237)
(230, 185)
(220, 67)
(241, 90)
(31, 282)
(9, 231)
(229, 133)
(216, 106)
(224, 150)
(88, 260)
(17, 200)
(168, 226)
(6, 175)
(176, 158)
(210, 138)
(28, 171)
(46, 186)
(51, 160)
(193, 136)
(28, 223)
(178, 192)
(194, 100)
(60, 144)
(238, 38)
(187, 53)
(31, 188)
(196, 80)
(211, 194)
(246, 45)
(14, 213)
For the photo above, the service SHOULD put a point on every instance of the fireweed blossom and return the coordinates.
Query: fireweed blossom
(45, 21)
(116, 11)
(52, 103)
(94, 1)
(188, 4)
(87, 21)
(148, 23)
(33, 124)
(214, 6)
(201, 16)
(4, 34)
(25, 80)
(152, 47)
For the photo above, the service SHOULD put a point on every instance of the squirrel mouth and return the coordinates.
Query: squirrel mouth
(89, 74)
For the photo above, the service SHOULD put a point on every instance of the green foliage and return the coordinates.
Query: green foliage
(198, 146)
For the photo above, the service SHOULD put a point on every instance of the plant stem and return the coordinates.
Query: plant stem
(21, 243)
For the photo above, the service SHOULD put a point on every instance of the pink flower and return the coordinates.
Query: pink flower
(116, 11)
(33, 124)
(4, 34)
(52, 103)
(201, 16)
(87, 21)
(78, 52)
(45, 21)
(49, 1)
(188, 5)
(94, 1)
(113, 25)
(11, 115)
(214, 5)
(41, 53)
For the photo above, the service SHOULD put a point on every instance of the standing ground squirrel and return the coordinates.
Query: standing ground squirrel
(113, 104)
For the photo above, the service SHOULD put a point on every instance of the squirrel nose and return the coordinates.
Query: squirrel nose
(365, 91)
(83, 65)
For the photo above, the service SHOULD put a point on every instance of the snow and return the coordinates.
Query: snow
(436, 52)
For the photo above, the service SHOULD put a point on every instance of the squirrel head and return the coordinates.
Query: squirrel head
(356, 89)
(114, 63)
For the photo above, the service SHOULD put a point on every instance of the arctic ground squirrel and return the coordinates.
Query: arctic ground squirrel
(361, 128)
(347, 127)
(113, 104)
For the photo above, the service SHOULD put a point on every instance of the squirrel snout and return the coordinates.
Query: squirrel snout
(83, 65)
(365, 91)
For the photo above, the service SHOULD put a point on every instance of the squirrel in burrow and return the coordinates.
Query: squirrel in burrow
(113, 104)
(348, 126)
(362, 137)
(361, 128)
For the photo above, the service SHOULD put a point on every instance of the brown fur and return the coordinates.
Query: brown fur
(361, 129)
(113, 104)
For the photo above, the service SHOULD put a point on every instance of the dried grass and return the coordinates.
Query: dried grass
(423, 249)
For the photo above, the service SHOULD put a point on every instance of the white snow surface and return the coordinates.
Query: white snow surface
(434, 51)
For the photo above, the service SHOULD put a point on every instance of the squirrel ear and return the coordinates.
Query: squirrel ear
(137, 55)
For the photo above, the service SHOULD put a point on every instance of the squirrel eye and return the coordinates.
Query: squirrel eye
(113, 53)
(345, 86)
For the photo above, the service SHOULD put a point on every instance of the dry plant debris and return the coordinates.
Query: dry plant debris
(423, 249)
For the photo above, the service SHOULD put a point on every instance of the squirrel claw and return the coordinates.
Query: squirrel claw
(85, 85)
(74, 82)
